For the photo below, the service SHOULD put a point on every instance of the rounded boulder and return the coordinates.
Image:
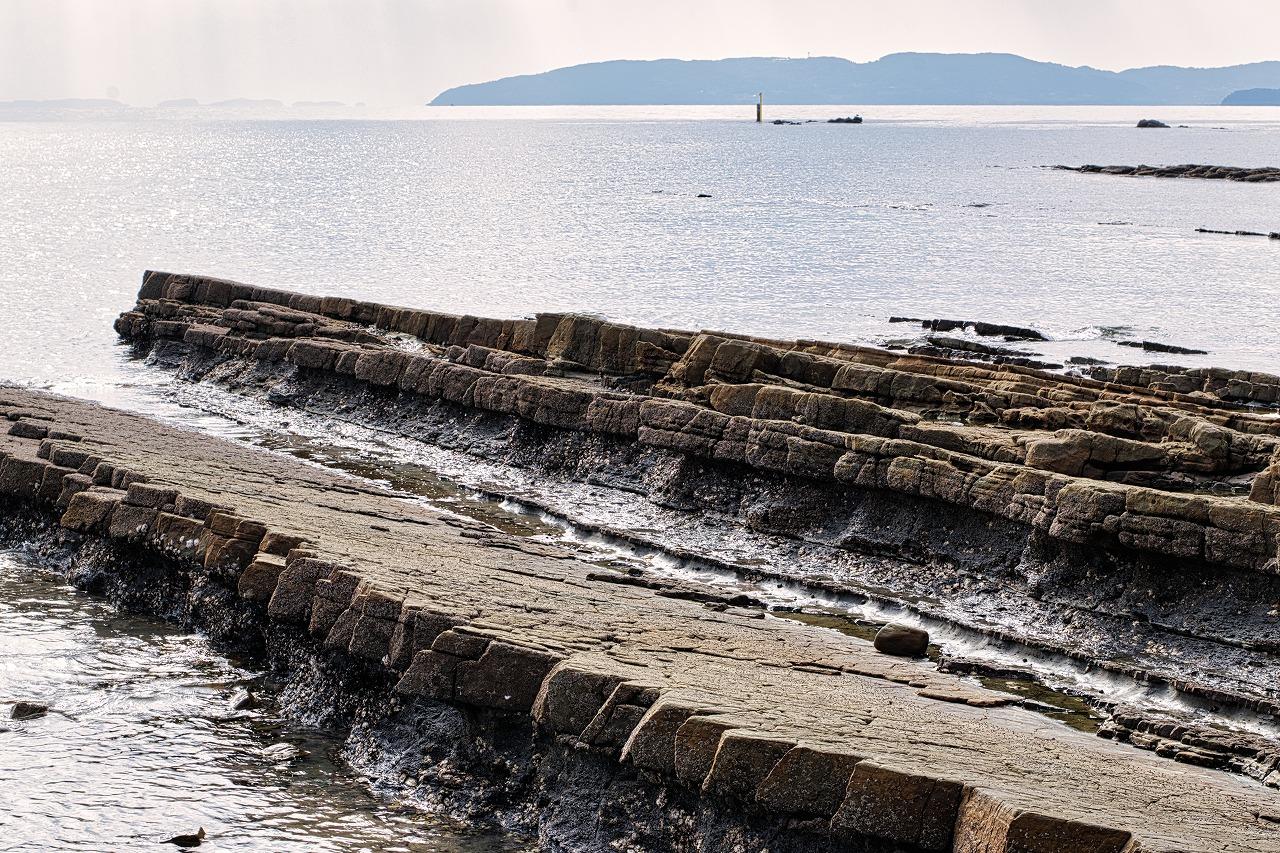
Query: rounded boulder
(902, 641)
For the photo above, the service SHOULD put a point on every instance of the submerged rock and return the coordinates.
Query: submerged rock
(1156, 346)
(282, 753)
(243, 700)
(902, 640)
(193, 839)
(1274, 235)
(986, 330)
(1150, 122)
(28, 710)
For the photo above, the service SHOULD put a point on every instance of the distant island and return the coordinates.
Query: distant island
(1253, 98)
(900, 78)
(63, 105)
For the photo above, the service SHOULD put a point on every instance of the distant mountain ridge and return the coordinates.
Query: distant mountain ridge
(899, 78)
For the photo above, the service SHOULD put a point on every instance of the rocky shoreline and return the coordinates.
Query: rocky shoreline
(486, 767)
(1132, 575)
(1093, 505)
(500, 681)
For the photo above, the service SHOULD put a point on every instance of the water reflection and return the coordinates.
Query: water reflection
(141, 744)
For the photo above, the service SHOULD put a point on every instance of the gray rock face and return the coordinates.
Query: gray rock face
(902, 640)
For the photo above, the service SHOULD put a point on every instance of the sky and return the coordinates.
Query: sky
(404, 52)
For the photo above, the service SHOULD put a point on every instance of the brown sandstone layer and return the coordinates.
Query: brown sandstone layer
(1142, 495)
(1135, 461)
(812, 730)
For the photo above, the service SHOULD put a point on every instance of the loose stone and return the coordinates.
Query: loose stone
(902, 640)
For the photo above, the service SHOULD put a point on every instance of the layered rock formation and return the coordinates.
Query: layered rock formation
(1257, 175)
(642, 721)
(1068, 457)
(1132, 512)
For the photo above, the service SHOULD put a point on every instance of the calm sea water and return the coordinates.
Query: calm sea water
(817, 230)
(140, 744)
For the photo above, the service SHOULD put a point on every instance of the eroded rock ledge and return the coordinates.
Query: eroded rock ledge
(812, 739)
(1138, 502)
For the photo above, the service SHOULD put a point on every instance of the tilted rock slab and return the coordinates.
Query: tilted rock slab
(1069, 457)
(760, 714)
(1126, 489)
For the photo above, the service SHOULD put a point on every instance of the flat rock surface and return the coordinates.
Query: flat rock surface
(770, 676)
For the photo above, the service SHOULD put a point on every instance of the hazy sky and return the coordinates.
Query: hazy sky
(397, 52)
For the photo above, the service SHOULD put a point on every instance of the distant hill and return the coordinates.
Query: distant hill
(1253, 98)
(900, 78)
(248, 104)
(59, 105)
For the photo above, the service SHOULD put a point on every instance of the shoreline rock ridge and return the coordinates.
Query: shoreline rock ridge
(1136, 506)
(699, 699)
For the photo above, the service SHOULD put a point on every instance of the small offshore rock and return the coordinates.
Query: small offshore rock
(1150, 122)
(703, 195)
(189, 840)
(845, 120)
(28, 710)
(902, 640)
(243, 700)
(1156, 346)
(984, 329)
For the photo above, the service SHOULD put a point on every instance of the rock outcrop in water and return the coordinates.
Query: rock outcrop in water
(1258, 175)
(1146, 493)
